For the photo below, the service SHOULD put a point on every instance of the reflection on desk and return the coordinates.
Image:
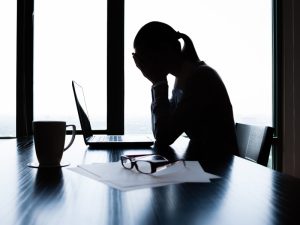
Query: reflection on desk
(247, 193)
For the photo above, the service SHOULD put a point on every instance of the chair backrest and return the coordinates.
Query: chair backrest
(254, 142)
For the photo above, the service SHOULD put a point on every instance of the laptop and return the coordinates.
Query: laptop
(104, 141)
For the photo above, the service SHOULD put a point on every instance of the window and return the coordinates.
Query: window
(234, 37)
(8, 16)
(70, 44)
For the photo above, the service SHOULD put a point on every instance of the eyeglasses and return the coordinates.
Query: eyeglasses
(147, 164)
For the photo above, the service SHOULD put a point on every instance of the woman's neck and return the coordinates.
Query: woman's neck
(183, 73)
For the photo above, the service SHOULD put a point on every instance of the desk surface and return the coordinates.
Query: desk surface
(247, 193)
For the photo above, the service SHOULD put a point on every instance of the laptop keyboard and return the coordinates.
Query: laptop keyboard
(114, 138)
(107, 138)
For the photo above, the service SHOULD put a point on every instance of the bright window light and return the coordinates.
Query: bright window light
(70, 44)
(8, 22)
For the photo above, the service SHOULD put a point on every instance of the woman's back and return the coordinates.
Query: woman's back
(209, 119)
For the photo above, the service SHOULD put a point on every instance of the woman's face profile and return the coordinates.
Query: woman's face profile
(150, 63)
(149, 57)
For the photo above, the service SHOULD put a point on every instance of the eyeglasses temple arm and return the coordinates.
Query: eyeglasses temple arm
(168, 163)
(134, 156)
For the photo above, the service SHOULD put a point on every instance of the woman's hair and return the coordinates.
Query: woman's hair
(157, 36)
(188, 50)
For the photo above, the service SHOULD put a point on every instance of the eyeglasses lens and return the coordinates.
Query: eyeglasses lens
(126, 163)
(144, 166)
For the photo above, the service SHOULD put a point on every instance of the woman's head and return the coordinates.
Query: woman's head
(160, 41)
(157, 43)
(156, 36)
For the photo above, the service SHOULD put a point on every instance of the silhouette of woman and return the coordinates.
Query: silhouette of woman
(199, 106)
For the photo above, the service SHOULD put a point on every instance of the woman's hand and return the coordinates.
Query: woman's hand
(153, 70)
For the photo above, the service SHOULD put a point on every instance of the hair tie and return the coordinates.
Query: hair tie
(178, 35)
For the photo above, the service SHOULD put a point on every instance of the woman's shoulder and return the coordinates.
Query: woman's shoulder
(205, 69)
(205, 74)
(205, 81)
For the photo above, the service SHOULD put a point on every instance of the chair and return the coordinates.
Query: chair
(254, 142)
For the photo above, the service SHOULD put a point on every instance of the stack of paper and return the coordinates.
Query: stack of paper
(113, 174)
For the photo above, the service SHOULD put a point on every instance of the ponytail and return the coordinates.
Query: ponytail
(188, 50)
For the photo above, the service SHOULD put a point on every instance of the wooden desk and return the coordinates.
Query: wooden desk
(246, 194)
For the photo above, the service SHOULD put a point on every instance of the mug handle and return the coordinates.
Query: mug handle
(73, 136)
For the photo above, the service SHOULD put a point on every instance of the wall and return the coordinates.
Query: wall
(291, 87)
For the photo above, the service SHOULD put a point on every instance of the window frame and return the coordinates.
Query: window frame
(277, 60)
(24, 85)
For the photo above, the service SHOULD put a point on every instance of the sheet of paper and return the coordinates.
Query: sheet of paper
(116, 176)
(192, 172)
(129, 188)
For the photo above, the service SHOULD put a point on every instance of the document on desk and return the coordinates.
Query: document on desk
(113, 174)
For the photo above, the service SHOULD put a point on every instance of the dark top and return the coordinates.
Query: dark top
(202, 110)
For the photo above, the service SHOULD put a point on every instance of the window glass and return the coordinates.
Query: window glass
(8, 16)
(234, 37)
(70, 44)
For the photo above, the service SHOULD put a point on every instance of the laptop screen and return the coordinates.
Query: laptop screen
(82, 110)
